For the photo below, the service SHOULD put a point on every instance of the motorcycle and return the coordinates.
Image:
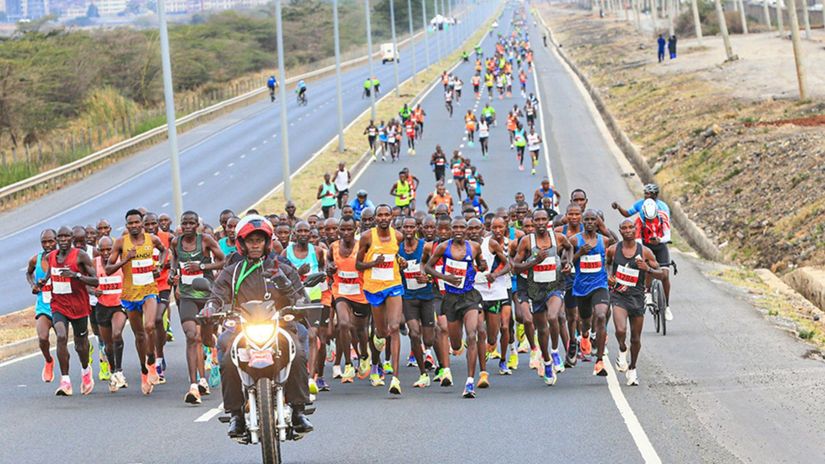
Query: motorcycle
(263, 353)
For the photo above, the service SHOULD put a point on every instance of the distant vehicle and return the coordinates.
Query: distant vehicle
(389, 53)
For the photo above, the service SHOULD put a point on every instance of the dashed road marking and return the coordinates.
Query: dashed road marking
(230, 165)
(200, 183)
(216, 173)
(184, 194)
(208, 415)
(164, 205)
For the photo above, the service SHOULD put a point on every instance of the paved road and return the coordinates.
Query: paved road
(238, 155)
(723, 386)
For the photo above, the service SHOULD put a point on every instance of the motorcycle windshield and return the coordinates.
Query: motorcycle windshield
(258, 311)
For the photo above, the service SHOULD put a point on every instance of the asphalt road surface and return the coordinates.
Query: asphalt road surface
(235, 157)
(723, 386)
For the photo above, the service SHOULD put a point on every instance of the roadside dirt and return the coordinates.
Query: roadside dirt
(17, 326)
(745, 159)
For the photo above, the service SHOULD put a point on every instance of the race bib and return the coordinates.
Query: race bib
(456, 268)
(384, 271)
(142, 272)
(627, 276)
(46, 292)
(590, 264)
(545, 271)
(60, 285)
(348, 283)
(111, 285)
(410, 274)
(186, 277)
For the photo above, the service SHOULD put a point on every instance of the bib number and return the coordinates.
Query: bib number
(186, 277)
(60, 285)
(142, 272)
(413, 270)
(590, 264)
(348, 283)
(456, 268)
(384, 271)
(627, 276)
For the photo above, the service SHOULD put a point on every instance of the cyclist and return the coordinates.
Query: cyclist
(650, 191)
(272, 83)
(653, 229)
(301, 90)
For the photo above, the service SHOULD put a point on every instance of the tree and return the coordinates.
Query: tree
(723, 28)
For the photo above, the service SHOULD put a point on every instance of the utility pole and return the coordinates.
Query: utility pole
(282, 91)
(369, 55)
(806, 19)
(743, 16)
(395, 49)
(670, 8)
(780, 18)
(723, 28)
(169, 101)
(797, 51)
(437, 30)
(697, 23)
(412, 39)
(766, 12)
(426, 31)
(338, 76)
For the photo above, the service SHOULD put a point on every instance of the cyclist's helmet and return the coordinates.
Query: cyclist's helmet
(652, 189)
(301, 83)
(362, 193)
(649, 209)
(250, 224)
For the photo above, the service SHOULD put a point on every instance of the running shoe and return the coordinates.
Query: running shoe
(598, 369)
(87, 384)
(446, 377)
(429, 362)
(336, 372)
(535, 359)
(363, 369)
(203, 386)
(395, 386)
(48, 372)
(146, 386)
(439, 373)
(502, 368)
(375, 377)
(469, 390)
(494, 354)
(161, 374)
(533, 172)
(521, 167)
(572, 357)
(632, 378)
(322, 384)
(586, 346)
(558, 366)
(423, 381)
(193, 396)
(113, 383)
(621, 361)
(330, 353)
(549, 375)
(349, 374)
(411, 362)
(484, 380)
(668, 314)
(379, 343)
(153, 376)
(121, 380)
(520, 332)
(65, 388)
(512, 361)
(313, 387)
(104, 373)
(388, 368)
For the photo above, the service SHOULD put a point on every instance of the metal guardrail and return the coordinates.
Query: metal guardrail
(45, 180)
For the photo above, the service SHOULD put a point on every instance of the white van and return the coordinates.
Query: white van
(389, 53)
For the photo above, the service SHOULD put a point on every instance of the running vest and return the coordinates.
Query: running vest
(440, 160)
(590, 272)
(385, 275)
(498, 289)
(226, 248)
(328, 195)
(518, 136)
(110, 286)
(347, 282)
(483, 130)
(69, 295)
(312, 259)
(543, 278)
(533, 141)
(44, 296)
(457, 167)
(547, 194)
(138, 281)
(413, 290)
(630, 280)
(403, 193)
(163, 280)
(187, 277)
(462, 268)
(372, 131)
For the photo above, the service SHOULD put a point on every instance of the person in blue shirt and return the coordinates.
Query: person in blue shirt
(301, 90)
(360, 203)
(661, 42)
(271, 83)
(651, 191)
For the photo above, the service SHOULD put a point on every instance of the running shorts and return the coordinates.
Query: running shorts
(103, 314)
(131, 306)
(163, 296)
(633, 304)
(538, 306)
(494, 306)
(188, 308)
(358, 309)
(80, 326)
(587, 302)
(378, 298)
(421, 310)
(455, 305)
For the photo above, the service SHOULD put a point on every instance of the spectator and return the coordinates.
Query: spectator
(661, 43)
(671, 47)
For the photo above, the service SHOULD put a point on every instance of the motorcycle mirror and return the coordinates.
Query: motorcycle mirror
(314, 279)
(202, 285)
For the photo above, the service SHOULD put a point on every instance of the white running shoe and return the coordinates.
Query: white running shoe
(336, 372)
(621, 361)
(668, 314)
(632, 378)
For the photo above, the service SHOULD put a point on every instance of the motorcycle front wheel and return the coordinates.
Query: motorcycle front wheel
(270, 445)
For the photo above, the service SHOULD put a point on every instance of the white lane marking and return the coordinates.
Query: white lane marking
(274, 135)
(265, 141)
(216, 173)
(543, 132)
(22, 386)
(205, 417)
(184, 194)
(243, 156)
(200, 183)
(632, 423)
(230, 165)
(164, 205)
(254, 148)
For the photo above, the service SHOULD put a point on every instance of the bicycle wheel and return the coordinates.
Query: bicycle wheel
(658, 292)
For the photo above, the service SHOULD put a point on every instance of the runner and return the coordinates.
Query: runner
(103, 228)
(545, 191)
(151, 225)
(448, 102)
(457, 169)
(488, 113)
(409, 125)
(194, 255)
(538, 254)
(476, 80)
(419, 314)
(382, 137)
(438, 161)
(590, 284)
(133, 253)
(462, 302)
(470, 124)
(342, 180)
(327, 194)
(110, 314)
(378, 260)
(41, 286)
(71, 271)
(227, 243)
(402, 191)
(626, 276)
(419, 114)
(483, 136)
(440, 197)
(371, 131)
(533, 146)
(520, 141)
(571, 229)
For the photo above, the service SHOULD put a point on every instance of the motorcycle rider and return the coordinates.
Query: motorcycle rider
(246, 280)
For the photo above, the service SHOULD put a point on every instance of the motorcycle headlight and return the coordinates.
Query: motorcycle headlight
(259, 334)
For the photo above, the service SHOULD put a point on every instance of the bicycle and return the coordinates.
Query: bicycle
(658, 303)
(302, 99)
